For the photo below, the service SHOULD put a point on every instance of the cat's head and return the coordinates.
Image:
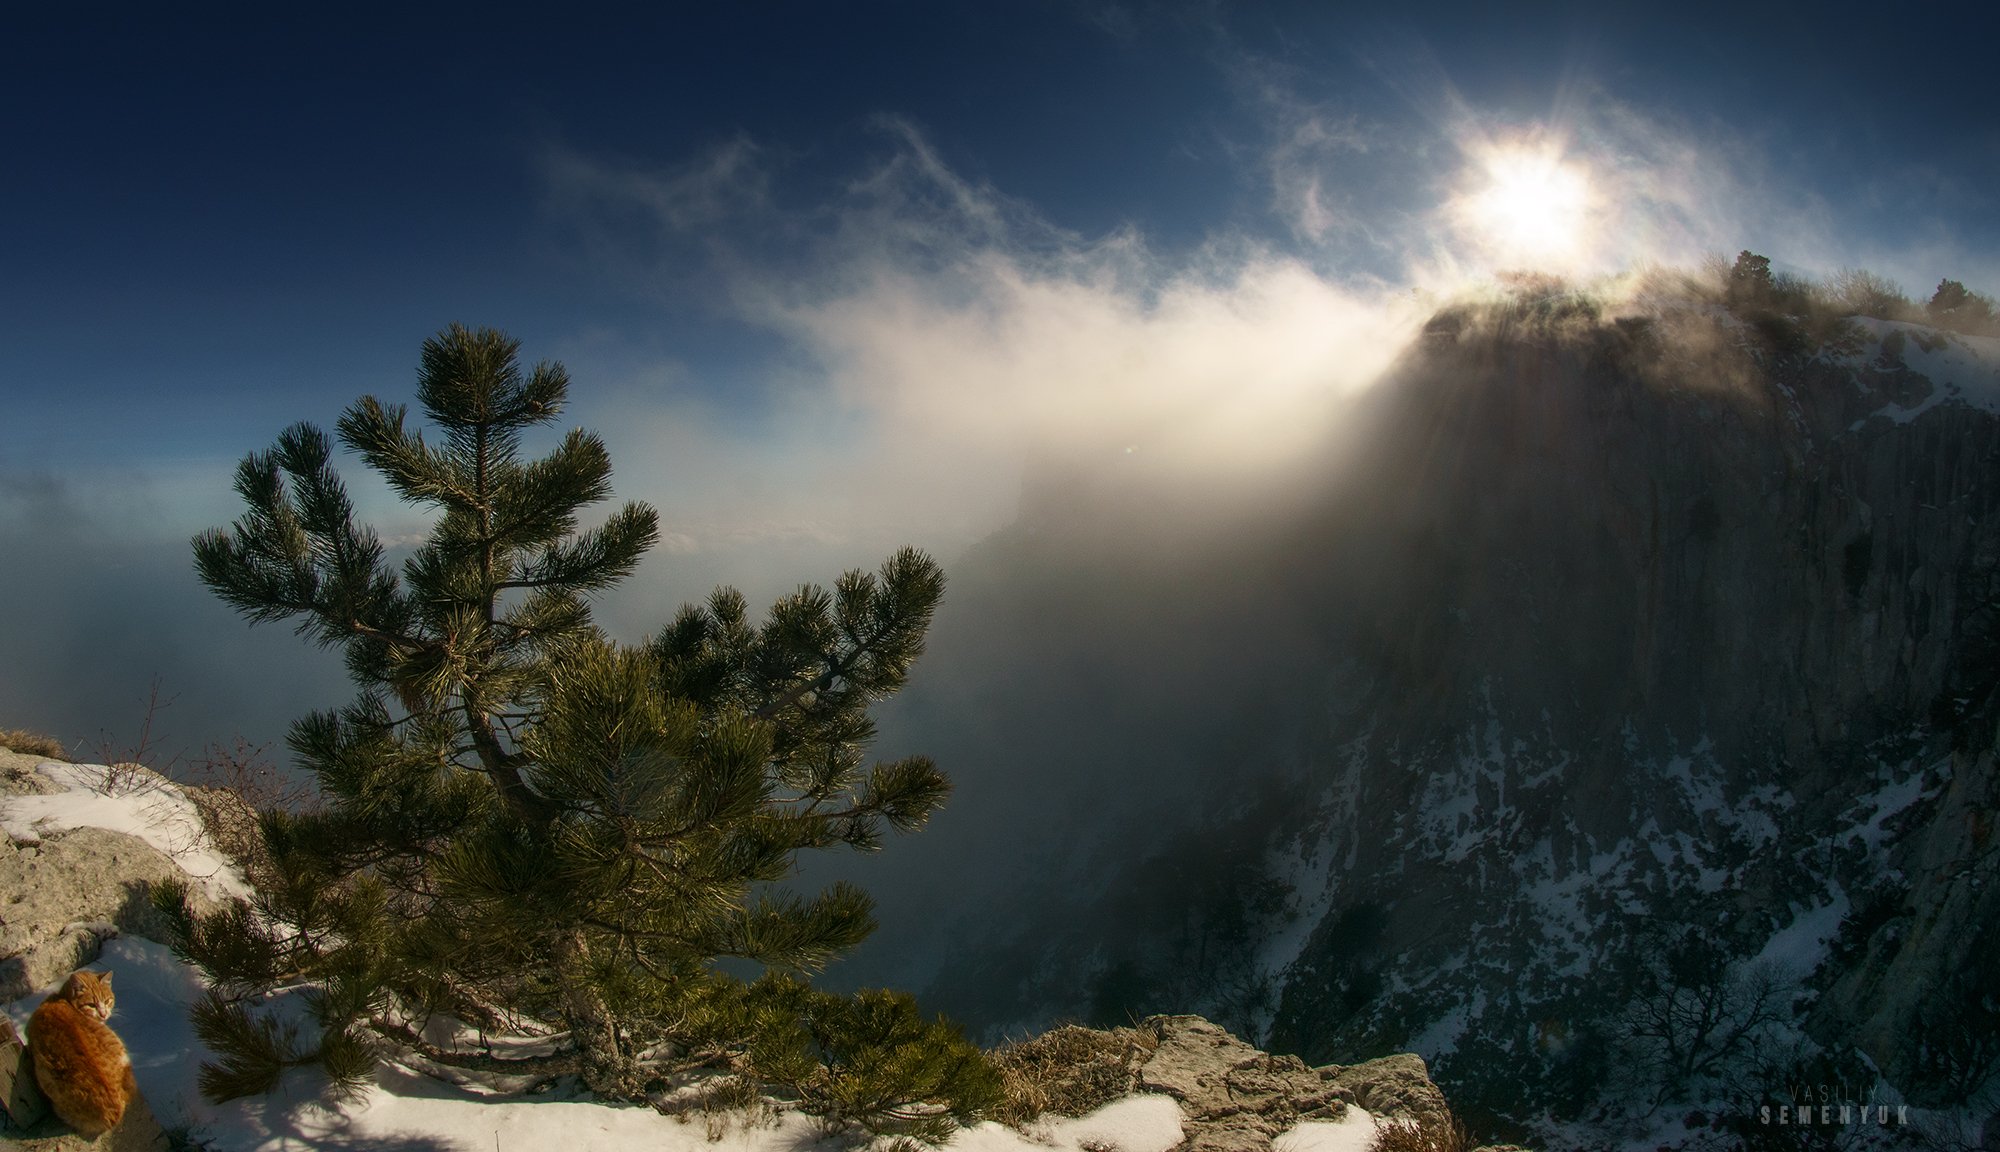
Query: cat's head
(90, 992)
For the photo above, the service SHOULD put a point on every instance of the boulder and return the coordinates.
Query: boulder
(1236, 1098)
(1398, 1086)
(1231, 1091)
(68, 892)
(140, 1131)
(20, 1096)
(19, 778)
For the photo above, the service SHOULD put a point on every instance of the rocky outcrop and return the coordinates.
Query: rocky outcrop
(1233, 1097)
(19, 778)
(20, 1097)
(67, 890)
(66, 894)
(63, 892)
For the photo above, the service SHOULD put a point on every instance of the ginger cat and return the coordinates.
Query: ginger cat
(79, 1061)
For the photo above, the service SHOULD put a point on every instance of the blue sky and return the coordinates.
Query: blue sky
(779, 245)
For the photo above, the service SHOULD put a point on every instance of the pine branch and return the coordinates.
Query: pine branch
(418, 472)
(255, 1050)
(595, 559)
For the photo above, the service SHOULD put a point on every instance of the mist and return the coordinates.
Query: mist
(1110, 446)
(108, 624)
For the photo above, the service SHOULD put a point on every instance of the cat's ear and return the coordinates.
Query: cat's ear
(108, 976)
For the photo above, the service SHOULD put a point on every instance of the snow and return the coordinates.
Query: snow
(1441, 1037)
(139, 804)
(1961, 369)
(1449, 813)
(1353, 1132)
(1801, 946)
(1883, 805)
(405, 1110)
(1558, 901)
(1307, 874)
(1133, 1124)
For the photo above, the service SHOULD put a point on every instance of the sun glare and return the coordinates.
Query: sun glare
(1533, 205)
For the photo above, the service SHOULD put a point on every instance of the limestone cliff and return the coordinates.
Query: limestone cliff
(1620, 657)
(1682, 686)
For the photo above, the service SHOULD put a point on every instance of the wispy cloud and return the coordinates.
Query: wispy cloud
(1313, 153)
(940, 335)
(934, 334)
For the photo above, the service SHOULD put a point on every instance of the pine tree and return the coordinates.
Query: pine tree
(525, 820)
(1750, 279)
(1956, 307)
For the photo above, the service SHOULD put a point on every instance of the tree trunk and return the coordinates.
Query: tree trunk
(499, 766)
(607, 1068)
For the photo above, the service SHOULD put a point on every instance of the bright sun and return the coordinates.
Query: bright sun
(1533, 206)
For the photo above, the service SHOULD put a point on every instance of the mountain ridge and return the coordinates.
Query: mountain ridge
(1626, 650)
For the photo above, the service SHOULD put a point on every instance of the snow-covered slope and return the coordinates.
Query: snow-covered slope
(129, 800)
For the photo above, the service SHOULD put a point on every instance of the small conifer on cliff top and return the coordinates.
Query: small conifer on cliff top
(526, 822)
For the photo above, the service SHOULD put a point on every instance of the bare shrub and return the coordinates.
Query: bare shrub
(1698, 1011)
(32, 744)
(133, 768)
(1068, 1071)
(1447, 1135)
(1859, 292)
(124, 778)
(247, 771)
(230, 786)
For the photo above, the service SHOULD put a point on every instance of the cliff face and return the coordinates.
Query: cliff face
(1679, 688)
(1623, 671)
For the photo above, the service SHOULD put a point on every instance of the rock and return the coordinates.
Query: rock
(1224, 1138)
(138, 1132)
(20, 1096)
(69, 892)
(1193, 1062)
(1236, 1098)
(1398, 1086)
(19, 778)
(50, 960)
(1233, 1097)
(1781, 573)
